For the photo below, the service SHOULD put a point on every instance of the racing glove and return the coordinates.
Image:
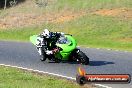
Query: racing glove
(55, 50)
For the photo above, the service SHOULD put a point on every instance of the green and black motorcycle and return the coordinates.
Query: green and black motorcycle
(68, 50)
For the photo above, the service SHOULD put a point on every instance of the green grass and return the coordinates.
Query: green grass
(15, 78)
(90, 4)
(90, 30)
(93, 31)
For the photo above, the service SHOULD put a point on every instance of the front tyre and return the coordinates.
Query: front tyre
(83, 59)
(42, 58)
(42, 54)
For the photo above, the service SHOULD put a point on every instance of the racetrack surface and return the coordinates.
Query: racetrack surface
(24, 54)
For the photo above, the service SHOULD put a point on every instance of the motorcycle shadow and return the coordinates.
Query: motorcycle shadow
(68, 62)
(100, 63)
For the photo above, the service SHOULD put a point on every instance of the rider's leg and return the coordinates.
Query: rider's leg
(40, 50)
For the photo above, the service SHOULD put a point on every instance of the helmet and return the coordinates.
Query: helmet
(46, 33)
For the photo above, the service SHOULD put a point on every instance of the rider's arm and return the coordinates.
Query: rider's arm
(60, 33)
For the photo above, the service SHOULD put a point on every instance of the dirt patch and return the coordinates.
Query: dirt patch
(29, 19)
(124, 12)
(68, 16)
(23, 15)
(125, 39)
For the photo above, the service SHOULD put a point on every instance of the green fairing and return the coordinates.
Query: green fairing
(67, 48)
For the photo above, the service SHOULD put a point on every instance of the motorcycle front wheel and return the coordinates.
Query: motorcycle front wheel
(43, 57)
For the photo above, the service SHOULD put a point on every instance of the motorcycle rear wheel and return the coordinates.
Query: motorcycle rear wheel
(83, 59)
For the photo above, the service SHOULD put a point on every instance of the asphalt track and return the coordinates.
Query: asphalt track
(101, 61)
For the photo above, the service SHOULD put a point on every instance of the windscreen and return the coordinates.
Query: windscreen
(63, 40)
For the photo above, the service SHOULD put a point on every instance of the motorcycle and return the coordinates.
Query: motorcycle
(66, 50)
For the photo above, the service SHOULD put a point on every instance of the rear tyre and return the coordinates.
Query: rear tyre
(73, 56)
(83, 59)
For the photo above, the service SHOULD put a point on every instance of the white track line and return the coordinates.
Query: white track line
(102, 86)
(28, 69)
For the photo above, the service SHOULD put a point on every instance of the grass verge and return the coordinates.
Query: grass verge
(15, 78)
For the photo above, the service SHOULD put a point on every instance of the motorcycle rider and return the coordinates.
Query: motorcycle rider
(46, 42)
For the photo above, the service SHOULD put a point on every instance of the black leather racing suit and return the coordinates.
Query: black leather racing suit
(47, 43)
